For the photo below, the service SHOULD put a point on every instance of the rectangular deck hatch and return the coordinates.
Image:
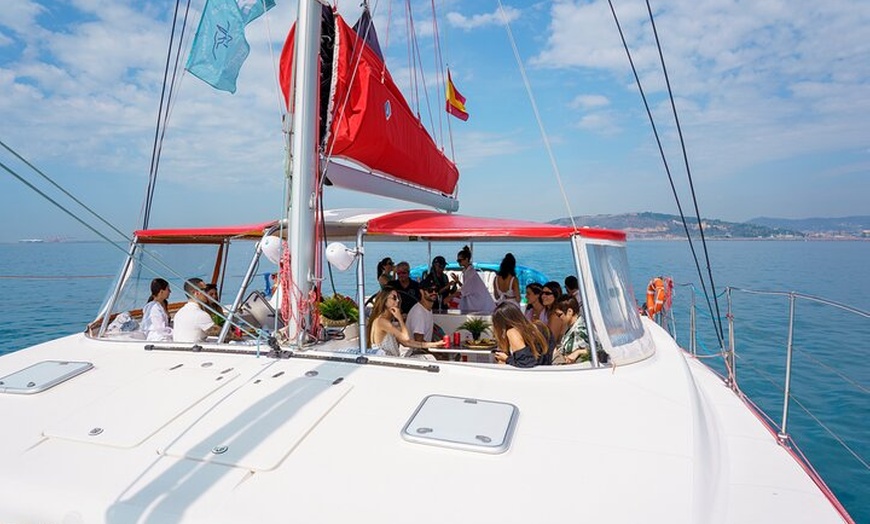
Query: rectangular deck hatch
(462, 423)
(42, 376)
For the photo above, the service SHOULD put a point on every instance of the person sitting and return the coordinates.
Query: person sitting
(385, 271)
(535, 309)
(438, 278)
(409, 290)
(420, 320)
(214, 303)
(506, 287)
(572, 287)
(475, 297)
(383, 334)
(155, 317)
(574, 344)
(192, 323)
(521, 344)
(550, 294)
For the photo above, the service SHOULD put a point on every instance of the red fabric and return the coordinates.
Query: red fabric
(201, 235)
(433, 224)
(455, 100)
(376, 128)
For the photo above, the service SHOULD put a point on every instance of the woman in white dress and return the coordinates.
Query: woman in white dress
(506, 287)
(155, 317)
(475, 296)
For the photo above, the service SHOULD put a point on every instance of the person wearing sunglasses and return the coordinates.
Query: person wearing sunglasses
(535, 310)
(550, 294)
(574, 344)
(387, 329)
(408, 289)
(385, 271)
(436, 277)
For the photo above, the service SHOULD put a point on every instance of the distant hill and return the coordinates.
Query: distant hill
(660, 225)
(856, 226)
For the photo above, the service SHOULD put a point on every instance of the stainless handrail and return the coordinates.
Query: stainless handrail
(730, 356)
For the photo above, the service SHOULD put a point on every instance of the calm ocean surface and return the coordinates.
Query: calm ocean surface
(54, 289)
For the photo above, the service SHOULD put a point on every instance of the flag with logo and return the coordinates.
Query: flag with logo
(219, 48)
(455, 100)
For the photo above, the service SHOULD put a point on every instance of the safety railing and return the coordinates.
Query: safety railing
(730, 355)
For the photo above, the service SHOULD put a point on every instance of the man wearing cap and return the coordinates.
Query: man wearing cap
(438, 278)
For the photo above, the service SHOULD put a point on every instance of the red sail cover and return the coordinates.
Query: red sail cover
(376, 128)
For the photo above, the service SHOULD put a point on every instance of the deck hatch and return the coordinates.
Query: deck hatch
(42, 376)
(463, 423)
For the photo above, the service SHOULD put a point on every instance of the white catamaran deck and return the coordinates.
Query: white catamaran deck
(156, 436)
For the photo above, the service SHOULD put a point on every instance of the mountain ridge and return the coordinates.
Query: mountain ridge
(661, 225)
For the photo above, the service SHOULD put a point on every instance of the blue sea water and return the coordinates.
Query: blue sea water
(53, 289)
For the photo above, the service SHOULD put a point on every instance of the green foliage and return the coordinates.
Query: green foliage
(476, 326)
(339, 307)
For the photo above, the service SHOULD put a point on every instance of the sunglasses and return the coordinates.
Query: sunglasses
(546, 292)
(401, 272)
(560, 314)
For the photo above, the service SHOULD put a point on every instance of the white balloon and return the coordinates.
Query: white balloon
(340, 256)
(271, 246)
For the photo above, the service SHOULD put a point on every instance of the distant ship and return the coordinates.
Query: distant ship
(32, 240)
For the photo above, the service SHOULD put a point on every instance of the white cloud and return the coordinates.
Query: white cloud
(482, 20)
(20, 16)
(589, 101)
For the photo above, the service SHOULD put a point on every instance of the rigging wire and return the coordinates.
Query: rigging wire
(439, 73)
(719, 333)
(544, 136)
(163, 112)
(688, 169)
(170, 102)
(99, 233)
(59, 188)
(114, 243)
(419, 60)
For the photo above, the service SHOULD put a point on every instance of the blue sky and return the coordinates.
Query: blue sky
(773, 99)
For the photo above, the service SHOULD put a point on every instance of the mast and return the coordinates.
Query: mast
(303, 165)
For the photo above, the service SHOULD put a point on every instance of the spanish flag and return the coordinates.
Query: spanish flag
(455, 100)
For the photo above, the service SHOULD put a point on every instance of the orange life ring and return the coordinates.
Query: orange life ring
(658, 295)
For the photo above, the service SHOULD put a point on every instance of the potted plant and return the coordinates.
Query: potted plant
(338, 311)
(476, 326)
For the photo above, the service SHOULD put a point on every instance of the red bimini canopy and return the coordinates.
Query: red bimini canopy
(203, 235)
(435, 225)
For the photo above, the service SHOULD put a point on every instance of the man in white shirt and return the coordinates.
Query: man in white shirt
(192, 323)
(420, 321)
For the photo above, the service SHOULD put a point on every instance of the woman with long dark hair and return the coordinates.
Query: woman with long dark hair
(535, 310)
(155, 317)
(475, 297)
(506, 287)
(550, 294)
(385, 335)
(521, 343)
(385, 271)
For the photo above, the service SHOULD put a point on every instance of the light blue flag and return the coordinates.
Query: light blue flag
(219, 47)
(251, 9)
